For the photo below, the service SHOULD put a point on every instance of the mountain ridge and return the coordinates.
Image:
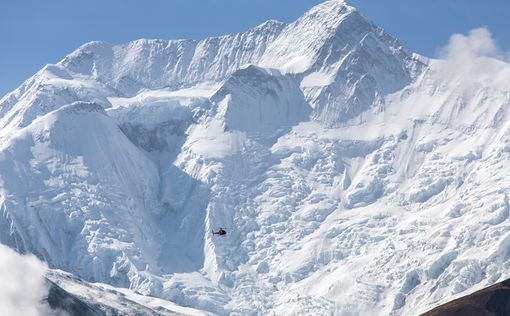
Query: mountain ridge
(351, 181)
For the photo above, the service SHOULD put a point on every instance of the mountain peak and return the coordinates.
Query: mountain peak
(329, 13)
(270, 24)
(296, 49)
(330, 6)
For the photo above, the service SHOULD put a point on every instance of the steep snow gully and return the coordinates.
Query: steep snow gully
(355, 178)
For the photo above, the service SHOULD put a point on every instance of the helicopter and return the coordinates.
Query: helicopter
(221, 232)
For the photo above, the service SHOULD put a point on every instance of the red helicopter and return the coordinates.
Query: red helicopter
(221, 232)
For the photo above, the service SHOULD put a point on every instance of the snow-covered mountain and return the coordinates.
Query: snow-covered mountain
(353, 177)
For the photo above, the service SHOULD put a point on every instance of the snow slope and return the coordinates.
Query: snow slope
(354, 177)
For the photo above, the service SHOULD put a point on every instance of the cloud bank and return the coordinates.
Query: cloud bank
(22, 284)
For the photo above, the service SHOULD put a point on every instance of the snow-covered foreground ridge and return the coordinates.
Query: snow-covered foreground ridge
(353, 176)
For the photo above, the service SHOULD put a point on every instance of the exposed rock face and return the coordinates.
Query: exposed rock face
(491, 301)
(62, 301)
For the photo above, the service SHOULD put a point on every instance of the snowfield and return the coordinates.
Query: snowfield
(353, 177)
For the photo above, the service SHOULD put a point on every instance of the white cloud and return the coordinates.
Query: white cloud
(474, 59)
(478, 43)
(22, 284)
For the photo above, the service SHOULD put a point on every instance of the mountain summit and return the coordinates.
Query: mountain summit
(345, 63)
(352, 177)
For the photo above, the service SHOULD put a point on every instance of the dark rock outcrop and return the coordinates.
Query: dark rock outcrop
(491, 301)
(61, 300)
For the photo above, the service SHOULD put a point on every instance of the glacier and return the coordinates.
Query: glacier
(353, 177)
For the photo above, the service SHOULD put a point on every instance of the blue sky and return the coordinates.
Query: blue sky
(34, 32)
